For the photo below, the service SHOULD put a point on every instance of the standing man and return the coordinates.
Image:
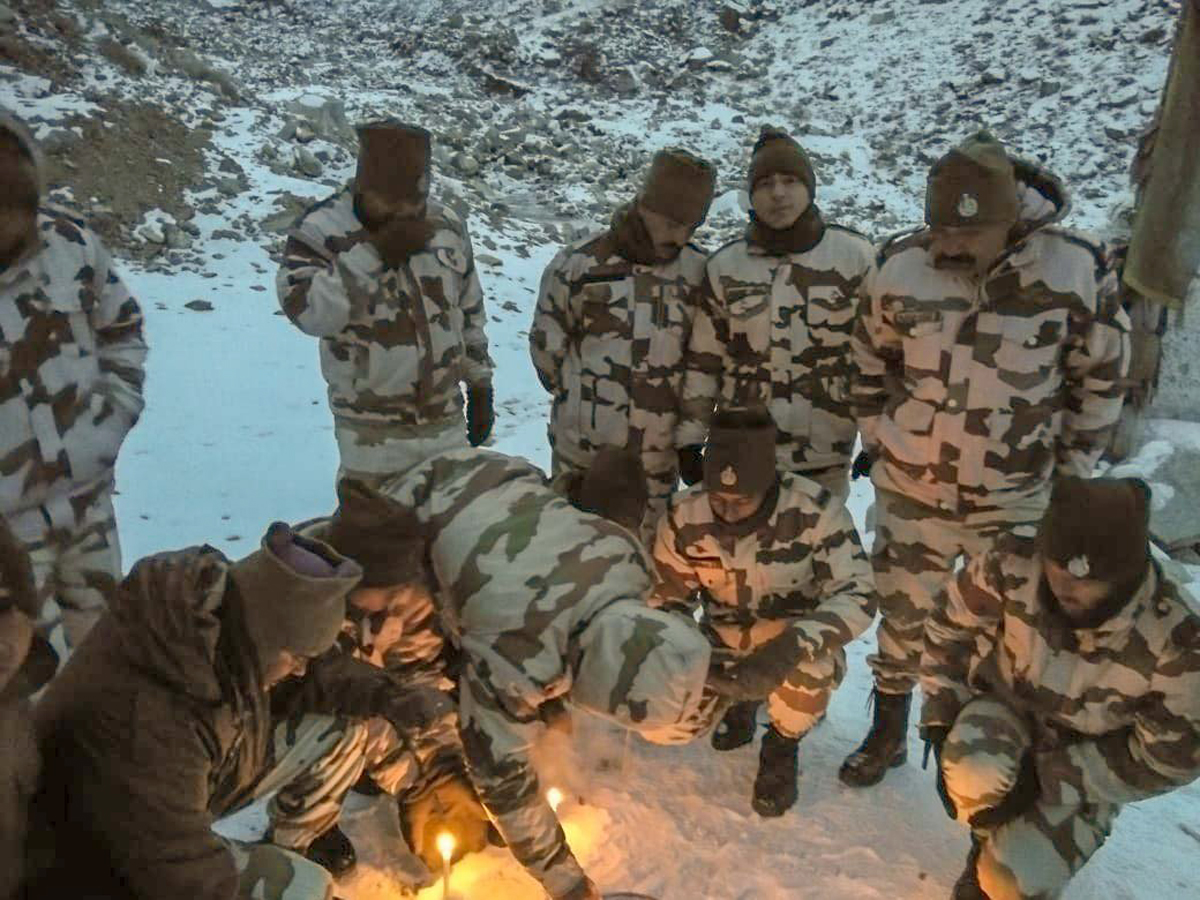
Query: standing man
(547, 604)
(386, 279)
(783, 584)
(71, 375)
(990, 349)
(612, 322)
(775, 320)
(1062, 681)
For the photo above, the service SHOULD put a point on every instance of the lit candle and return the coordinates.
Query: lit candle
(555, 798)
(445, 845)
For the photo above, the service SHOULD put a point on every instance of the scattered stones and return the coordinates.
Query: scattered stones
(466, 164)
(324, 117)
(304, 162)
(151, 232)
(624, 82)
(199, 306)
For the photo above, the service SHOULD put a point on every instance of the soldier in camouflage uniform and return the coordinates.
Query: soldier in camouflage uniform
(182, 708)
(613, 318)
(386, 279)
(547, 603)
(71, 357)
(775, 319)
(775, 563)
(1061, 680)
(990, 352)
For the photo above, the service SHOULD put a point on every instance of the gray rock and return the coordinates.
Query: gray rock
(466, 163)
(7, 17)
(325, 116)
(305, 132)
(58, 140)
(624, 82)
(882, 18)
(176, 238)
(199, 305)
(305, 163)
(229, 187)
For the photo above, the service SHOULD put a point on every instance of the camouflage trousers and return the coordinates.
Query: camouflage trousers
(1034, 856)
(798, 704)
(372, 452)
(19, 767)
(662, 480)
(916, 550)
(76, 559)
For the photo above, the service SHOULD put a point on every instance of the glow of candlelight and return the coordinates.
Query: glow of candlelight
(446, 845)
(555, 798)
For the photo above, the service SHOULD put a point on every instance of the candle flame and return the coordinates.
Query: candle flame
(445, 845)
(555, 798)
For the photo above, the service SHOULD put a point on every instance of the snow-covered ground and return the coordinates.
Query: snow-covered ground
(237, 433)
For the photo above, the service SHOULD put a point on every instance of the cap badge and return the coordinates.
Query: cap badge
(968, 206)
(1080, 567)
(728, 476)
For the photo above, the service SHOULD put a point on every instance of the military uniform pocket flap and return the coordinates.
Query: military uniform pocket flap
(746, 303)
(1033, 334)
(918, 323)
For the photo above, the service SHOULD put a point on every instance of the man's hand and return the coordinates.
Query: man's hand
(1025, 792)
(862, 465)
(691, 464)
(934, 737)
(760, 674)
(417, 709)
(481, 414)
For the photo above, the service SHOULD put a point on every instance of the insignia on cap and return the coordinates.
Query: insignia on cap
(968, 206)
(728, 476)
(1080, 567)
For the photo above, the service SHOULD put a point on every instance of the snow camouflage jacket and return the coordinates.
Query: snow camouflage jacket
(776, 330)
(395, 343)
(975, 395)
(522, 573)
(801, 566)
(1115, 710)
(71, 376)
(608, 340)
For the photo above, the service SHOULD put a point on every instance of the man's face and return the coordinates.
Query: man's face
(971, 250)
(779, 200)
(379, 207)
(733, 508)
(667, 235)
(284, 664)
(1076, 596)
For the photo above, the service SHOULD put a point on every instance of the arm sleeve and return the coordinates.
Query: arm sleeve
(497, 746)
(959, 630)
(704, 365)
(1096, 362)
(876, 354)
(1159, 752)
(477, 364)
(321, 291)
(551, 330)
(116, 318)
(676, 580)
(844, 584)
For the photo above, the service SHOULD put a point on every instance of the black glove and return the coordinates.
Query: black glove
(480, 413)
(862, 465)
(1025, 792)
(416, 710)
(691, 464)
(758, 675)
(935, 737)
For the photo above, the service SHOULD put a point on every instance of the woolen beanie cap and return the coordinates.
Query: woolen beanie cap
(393, 160)
(381, 535)
(679, 186)
(614, 487)
(1098, 528)
(739, 457)
(293, 592)
(973, 184)
(777, 152)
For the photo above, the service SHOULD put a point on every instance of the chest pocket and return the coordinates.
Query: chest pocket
(1031, 347)
(670, 323)
(749, 322)
(603, 308)
(921, 332)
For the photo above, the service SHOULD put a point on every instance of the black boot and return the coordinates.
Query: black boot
(886, 744)
(333, 852)
(775, 788)
(736, 728)
(967, 887)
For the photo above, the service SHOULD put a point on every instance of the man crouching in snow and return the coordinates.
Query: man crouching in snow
(777, 567)
(547, 604)
(1062, 680)
(161, 723)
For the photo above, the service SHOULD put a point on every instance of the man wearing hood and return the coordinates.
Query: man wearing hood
(613, 319)
(990, 352)
(386, 278)
(162, 722)
(547, 604)
(1062, 681)
(71, 375)
(781, 578)
(775, 318)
